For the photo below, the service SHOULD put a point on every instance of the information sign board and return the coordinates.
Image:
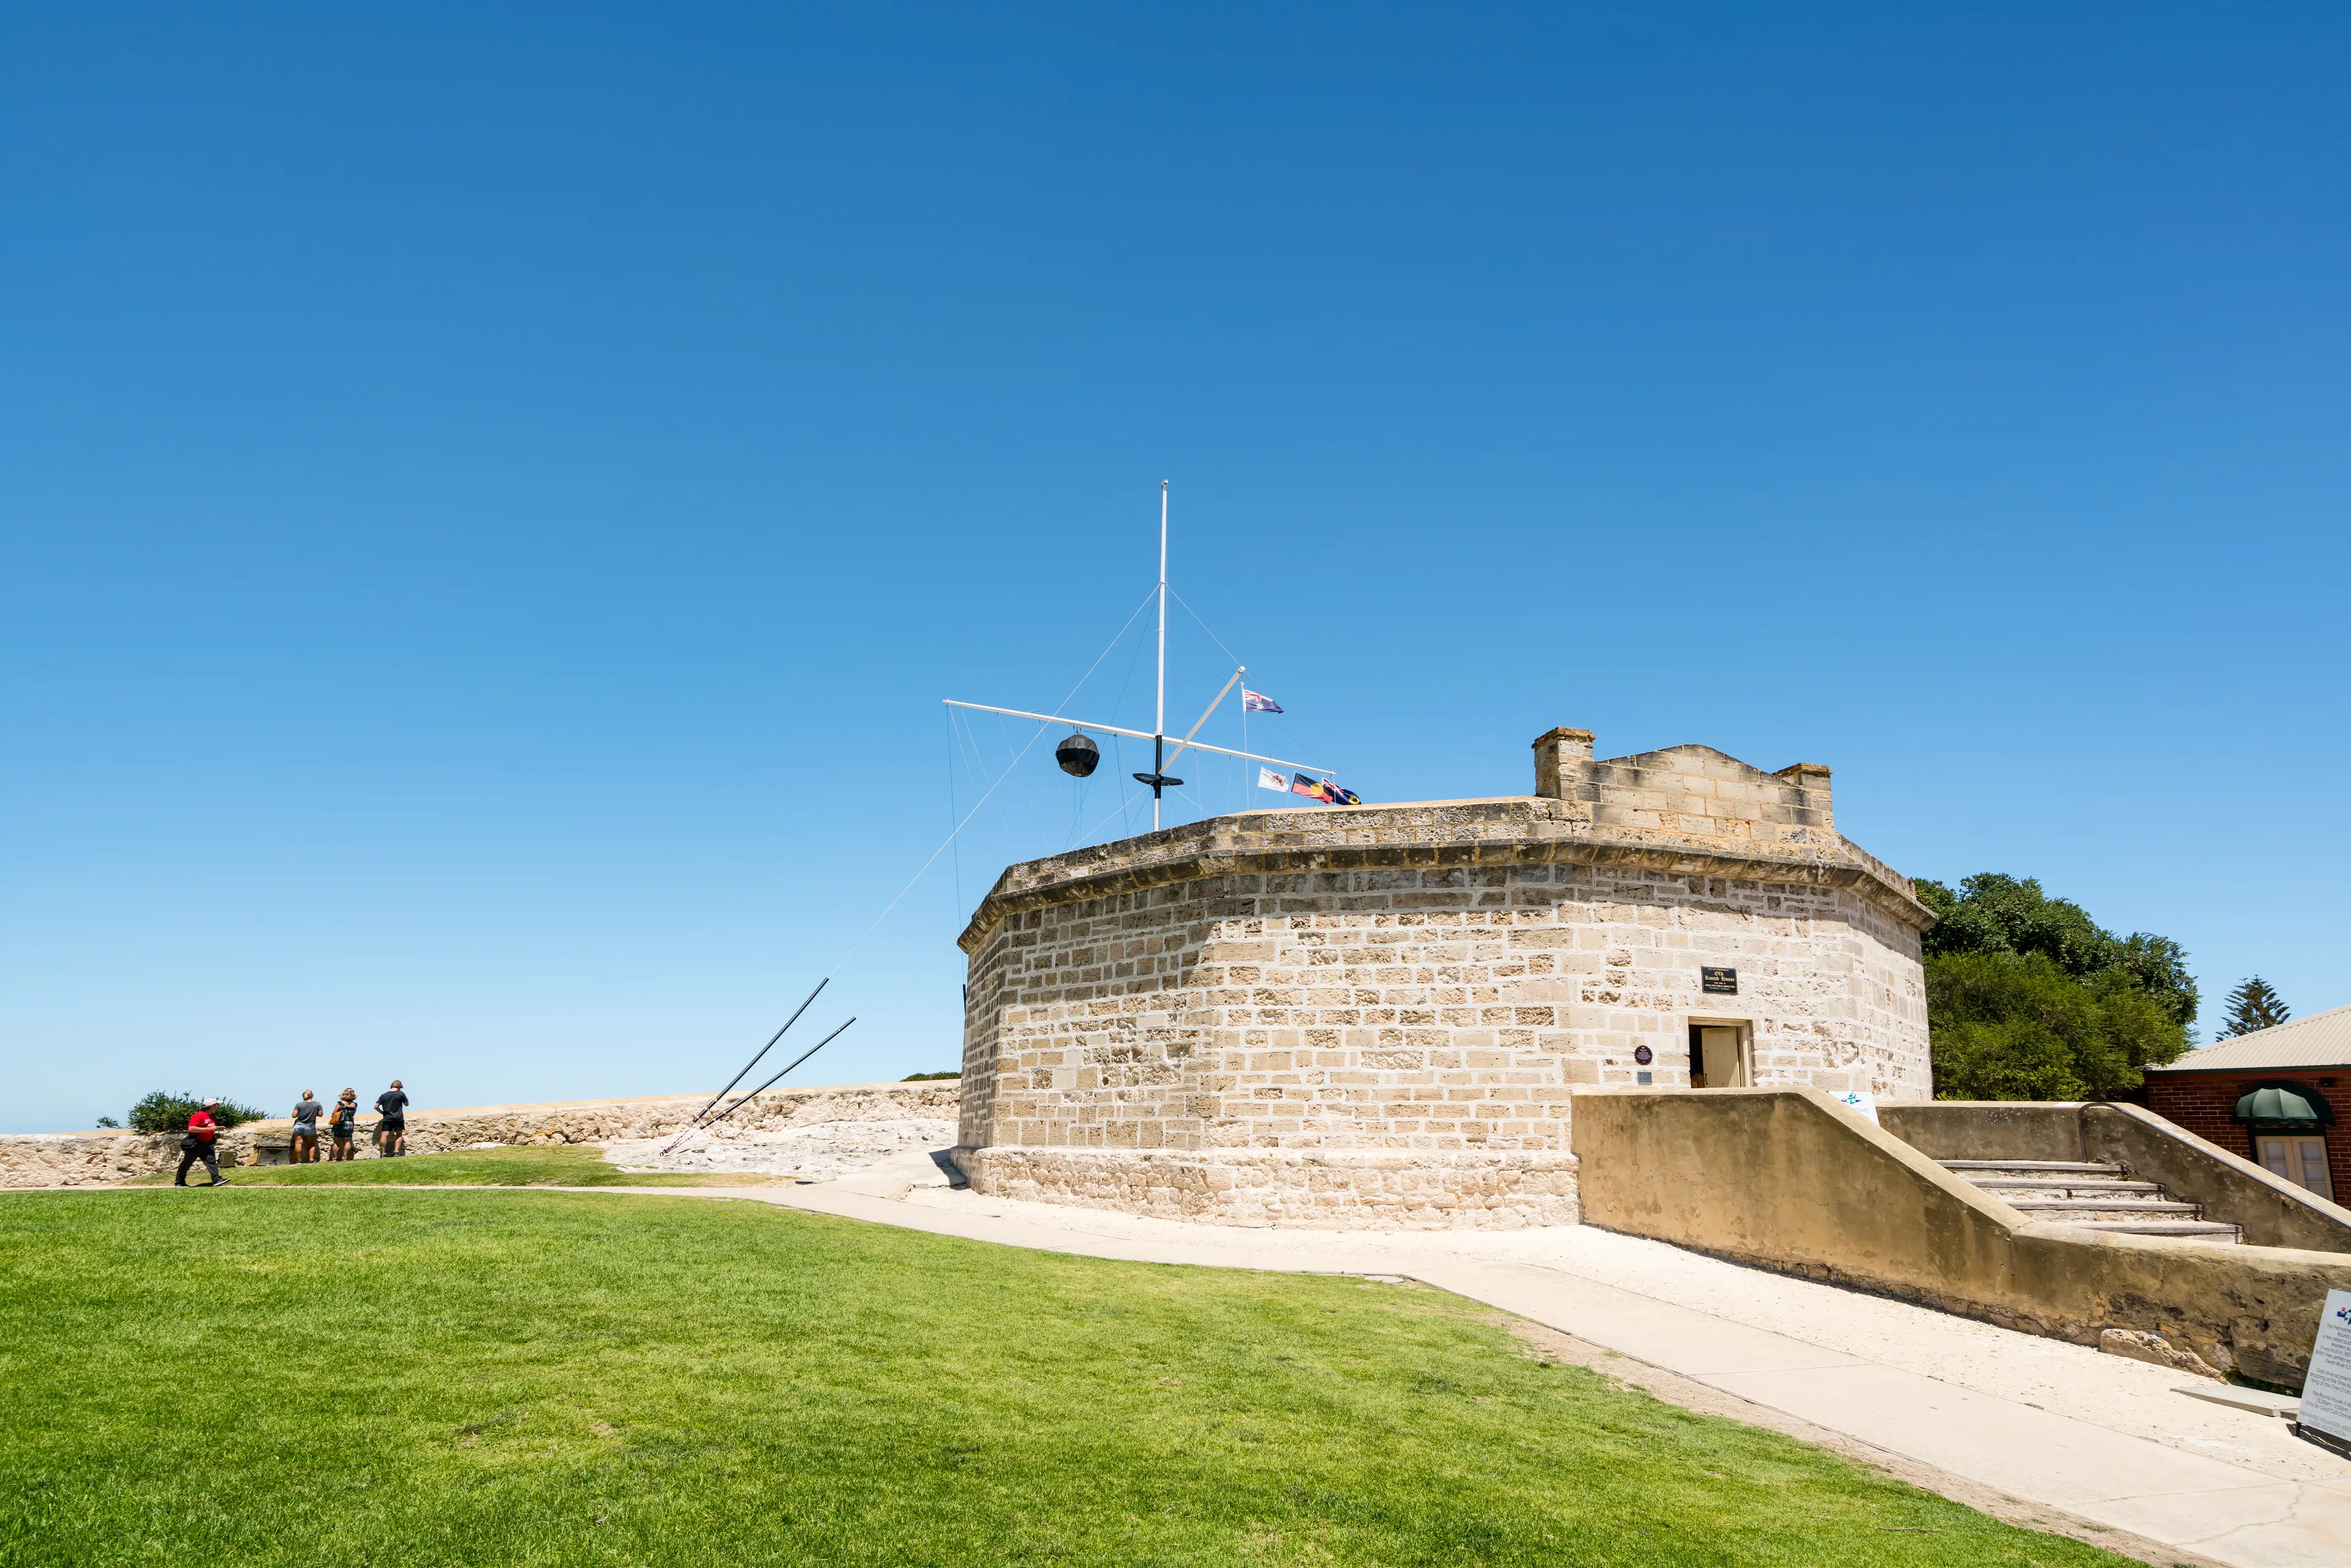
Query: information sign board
(1860, 1101)
(2326, 1393)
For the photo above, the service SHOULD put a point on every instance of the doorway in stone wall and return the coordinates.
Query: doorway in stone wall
(1717, 1055)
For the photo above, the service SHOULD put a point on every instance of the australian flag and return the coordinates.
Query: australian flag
(1258, 701)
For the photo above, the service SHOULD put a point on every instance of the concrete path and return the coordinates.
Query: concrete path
(2100, 1437)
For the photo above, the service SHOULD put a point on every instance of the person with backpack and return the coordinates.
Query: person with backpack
(306, 1130)
(197, 1144)
(341, 1125)
(392, 1121)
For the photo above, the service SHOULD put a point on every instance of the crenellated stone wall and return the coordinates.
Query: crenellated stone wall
(1376, 1016)
(104, 1158)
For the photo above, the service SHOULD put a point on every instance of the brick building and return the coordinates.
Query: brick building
(2271, 1096)
(1375, 1014)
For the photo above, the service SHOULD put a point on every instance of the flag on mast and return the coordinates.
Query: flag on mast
(1273, 779)
(1314, 788)
(1258, 701)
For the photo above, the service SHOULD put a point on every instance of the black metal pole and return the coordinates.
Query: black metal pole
(763, 1088)
(763, 1051)
(738, 1077)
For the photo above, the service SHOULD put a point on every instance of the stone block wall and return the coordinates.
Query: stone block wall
(1267, 1018)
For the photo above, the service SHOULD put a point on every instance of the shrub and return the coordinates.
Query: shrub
(161, 1113)
(926, 1077)
(2012, 1027)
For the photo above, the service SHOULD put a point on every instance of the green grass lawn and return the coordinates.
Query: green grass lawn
(493, 1377)
(553, 1164)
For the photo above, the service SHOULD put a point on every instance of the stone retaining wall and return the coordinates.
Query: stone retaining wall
(1787, 1179)
(2270, 1210)
(104, 1158)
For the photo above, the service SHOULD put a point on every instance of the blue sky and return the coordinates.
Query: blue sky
(492, 498)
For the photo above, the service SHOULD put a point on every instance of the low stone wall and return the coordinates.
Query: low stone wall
(102, 1158)
(1786, 1179)
(1329, 1189)
(86, 1159)
(2271, 1210)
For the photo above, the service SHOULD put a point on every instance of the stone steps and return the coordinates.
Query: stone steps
(2078, 1187)
(2097, 1197)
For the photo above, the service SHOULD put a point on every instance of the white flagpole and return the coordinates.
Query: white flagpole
(1159, 723)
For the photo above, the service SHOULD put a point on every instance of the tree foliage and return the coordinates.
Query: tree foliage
(161, 1113)
(2030, 999)
(2253, 1005)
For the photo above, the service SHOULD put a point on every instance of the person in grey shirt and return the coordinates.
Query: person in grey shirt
(306, 1130)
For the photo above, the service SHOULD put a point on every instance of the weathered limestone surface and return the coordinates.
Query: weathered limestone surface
(1229, 1019)
(95, 1159)
(1328, 1188)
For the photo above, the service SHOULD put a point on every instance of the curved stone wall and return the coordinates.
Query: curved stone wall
(1376, 1015)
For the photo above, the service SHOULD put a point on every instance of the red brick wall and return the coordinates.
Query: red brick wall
(2205, 1104)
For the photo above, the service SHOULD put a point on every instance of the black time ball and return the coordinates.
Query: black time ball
(1078, 756)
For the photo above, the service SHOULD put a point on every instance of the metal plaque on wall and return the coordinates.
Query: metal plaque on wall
(1718, 982)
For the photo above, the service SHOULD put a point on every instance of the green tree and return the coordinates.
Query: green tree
(162, 1113)
(2253, 1005)
(2030, 999)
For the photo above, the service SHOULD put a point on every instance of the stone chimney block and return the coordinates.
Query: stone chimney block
(1563, 760)
(1812, 779)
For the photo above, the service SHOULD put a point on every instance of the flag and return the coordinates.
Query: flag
(1258, 701)
(1312, 788)
(1268, 779)
(1340, 796)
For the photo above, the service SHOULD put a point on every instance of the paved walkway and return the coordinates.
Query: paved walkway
(2106, 1440)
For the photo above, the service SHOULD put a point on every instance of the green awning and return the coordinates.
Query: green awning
(2279, 1108)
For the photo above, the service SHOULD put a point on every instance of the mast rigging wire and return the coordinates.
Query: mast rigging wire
(844, 960)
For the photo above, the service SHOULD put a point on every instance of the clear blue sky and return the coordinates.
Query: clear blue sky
(492, 498)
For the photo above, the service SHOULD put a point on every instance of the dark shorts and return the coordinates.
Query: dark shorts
(391, 1124)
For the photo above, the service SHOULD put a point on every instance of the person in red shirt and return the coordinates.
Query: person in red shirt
(197, 1144)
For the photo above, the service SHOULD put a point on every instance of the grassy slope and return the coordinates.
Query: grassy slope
(519, 1377)
(554, 1165)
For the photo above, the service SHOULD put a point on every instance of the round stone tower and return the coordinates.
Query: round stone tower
(1376, 1015)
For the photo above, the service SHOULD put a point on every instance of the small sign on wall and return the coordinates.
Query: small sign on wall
(1860, 1101)
(1718, 982)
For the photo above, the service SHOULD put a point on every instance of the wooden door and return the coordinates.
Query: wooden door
(1717, 1060)
(2301, 1158)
